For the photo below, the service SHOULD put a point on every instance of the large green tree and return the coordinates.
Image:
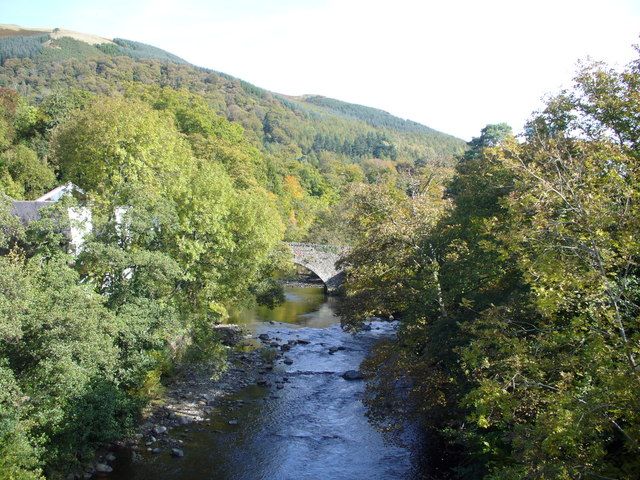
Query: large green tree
(525, 357)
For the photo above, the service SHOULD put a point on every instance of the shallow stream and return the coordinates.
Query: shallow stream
(312, 427)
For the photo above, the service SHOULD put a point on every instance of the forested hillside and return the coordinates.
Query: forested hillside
(276, 120)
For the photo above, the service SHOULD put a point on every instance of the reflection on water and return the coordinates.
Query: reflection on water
(314, 426)
(306, 306)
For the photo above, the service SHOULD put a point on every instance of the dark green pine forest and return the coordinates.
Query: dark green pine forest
(510, 262)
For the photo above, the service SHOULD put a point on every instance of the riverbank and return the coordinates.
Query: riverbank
(194, 394)
(190, 397)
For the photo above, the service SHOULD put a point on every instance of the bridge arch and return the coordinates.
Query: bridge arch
(321, 260)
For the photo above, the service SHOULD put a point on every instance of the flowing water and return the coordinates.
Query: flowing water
(313, 428)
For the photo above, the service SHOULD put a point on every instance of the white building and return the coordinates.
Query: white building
(79, 217)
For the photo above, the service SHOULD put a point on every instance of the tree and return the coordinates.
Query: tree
(116, 146)
(525, 359)
(23, 174)
(386, 267)
(562, 377)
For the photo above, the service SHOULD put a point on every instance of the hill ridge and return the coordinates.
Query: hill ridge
(310, 123)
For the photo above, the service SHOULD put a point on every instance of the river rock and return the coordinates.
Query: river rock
(110, 457)
(229, 335)
(159, 430)
(352, 375)
(264, 337)
(184, 420)
(288, 361)
(302, 341)
(177, 452)
(156, 451)
(286, 347)
(333, 350)
(103, 468)
(233, 422)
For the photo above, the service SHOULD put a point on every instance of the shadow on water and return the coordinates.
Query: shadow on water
(313, 426)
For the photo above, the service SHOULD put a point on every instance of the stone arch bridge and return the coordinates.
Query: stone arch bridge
(321, 260)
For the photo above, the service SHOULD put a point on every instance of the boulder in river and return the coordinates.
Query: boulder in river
(352, 375)
(177, 452)
(159, 429)
(103, 468)
(264, 337)
(184, 420)
(229, 335)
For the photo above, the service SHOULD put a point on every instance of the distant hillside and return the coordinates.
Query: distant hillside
(372, 116)
(37, 62)
(57, 44)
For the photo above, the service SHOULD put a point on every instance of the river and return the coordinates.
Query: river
(313, 427)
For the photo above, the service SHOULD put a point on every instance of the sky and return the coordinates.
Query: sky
(454, 65)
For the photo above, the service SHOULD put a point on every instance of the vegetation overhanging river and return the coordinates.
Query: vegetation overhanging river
(312, 426)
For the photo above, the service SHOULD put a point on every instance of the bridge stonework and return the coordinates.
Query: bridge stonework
(321, 260)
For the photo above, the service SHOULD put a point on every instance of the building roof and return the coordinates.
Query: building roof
(28, 211)
(58, 192)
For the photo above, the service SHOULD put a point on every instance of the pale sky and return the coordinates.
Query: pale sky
(452, 65)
